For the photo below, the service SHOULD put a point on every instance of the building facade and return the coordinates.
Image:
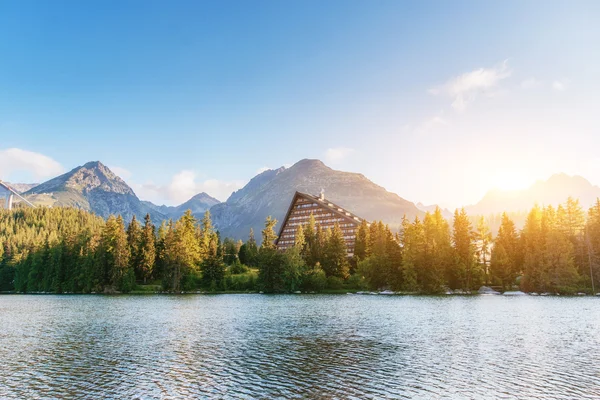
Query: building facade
(326, 215)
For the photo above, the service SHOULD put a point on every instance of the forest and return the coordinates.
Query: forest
(66, 250)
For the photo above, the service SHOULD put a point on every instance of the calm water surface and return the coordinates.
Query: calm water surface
(299, 346)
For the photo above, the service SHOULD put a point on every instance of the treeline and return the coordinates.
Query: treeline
(61, 250)
(554, 252)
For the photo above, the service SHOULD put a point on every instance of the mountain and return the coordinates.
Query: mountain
(445, 212)
(92, 187)
(553, 191)
(271, 192)
(22, 187)
(199, 204)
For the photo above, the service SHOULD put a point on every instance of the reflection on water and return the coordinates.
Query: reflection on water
(299, 346)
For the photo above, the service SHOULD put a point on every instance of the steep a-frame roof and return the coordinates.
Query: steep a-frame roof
(337, 210)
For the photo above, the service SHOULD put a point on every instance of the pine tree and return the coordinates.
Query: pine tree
(299, 239)
(207, 235)
(361, 246)
(505, 266)
(134, 236)
(464, 272)
(411, 239)
(116, 255)
(336, 261)
(183, 253)
(483, 242)
(592, 239)
(213, 268)
(310, 237)
(437, 254)
(147, 250)
(533, 250)
(268, 234)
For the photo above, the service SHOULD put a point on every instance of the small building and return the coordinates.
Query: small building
(326, 215)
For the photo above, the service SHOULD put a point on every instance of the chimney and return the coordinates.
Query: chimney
(322, 195)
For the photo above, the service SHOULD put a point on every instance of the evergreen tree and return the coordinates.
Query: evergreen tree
(573, 224)
(268, 234)
(207, 235)
(437, 254)
(147, 250)
(183, 254)
(505, 265)
(361, 246)
(336, 261)
(213, 268)
(271, 263)
(461, 273)
(293, 269)
(483, 242)
(533, 249)
(299, 239)
(310, 237)
(118, 271)
(252, 250)
(411, 240)
(134, 236)
(592, 239)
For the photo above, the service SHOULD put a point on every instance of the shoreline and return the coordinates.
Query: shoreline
(324, 292)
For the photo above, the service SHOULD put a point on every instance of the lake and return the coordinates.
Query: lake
(299, 346)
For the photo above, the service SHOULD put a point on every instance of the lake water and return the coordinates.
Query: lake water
(299, 346)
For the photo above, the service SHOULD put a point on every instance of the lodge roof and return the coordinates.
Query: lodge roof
(323, 202)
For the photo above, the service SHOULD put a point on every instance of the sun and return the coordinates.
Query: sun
(510, 179)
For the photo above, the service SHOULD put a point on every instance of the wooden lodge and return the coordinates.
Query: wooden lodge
(326, 215)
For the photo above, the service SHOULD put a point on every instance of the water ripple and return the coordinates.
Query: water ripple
(327, 347)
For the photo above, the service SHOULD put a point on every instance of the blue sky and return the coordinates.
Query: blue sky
(437, 101)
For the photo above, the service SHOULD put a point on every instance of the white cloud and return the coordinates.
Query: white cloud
(183, 186)
(434, 122)
(560, 86)
(338, 154)
(18, 160)
(431, 126)
(464, 88)
(530, 83)
(122, 173)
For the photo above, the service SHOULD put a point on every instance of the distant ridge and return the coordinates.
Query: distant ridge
(198, 204)
(22, 187)
(553, 191)
(445, 212)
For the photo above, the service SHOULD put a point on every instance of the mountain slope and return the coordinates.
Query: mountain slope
(553, 191)
(92, 187)
(270, 193)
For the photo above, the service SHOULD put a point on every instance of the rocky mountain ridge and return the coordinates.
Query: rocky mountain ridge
(270, 193)
(92, 187)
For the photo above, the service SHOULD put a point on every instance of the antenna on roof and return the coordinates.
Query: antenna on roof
(322, 195)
